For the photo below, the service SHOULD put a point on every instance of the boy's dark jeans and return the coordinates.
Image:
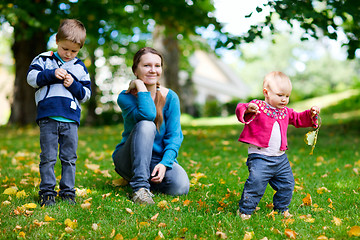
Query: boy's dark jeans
(56, 135)
(274, 170)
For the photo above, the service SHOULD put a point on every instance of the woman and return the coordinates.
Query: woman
(146, 155)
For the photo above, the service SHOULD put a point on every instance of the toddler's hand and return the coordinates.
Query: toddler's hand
(252, 108)
(60, 73)
(68, 80)
(314, 110)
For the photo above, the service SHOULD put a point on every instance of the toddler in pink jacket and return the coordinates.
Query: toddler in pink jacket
(265, 131)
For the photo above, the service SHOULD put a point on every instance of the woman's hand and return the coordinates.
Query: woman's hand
(136, 85)
(158, 173)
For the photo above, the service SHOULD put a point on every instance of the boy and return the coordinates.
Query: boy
(62, 82)
(265, 131)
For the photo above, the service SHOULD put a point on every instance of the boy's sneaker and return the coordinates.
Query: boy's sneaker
(69, 198)
(243, 216)
(143, 196)
(47, 200)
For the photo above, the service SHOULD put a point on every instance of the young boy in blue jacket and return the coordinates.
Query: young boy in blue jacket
(62, 82)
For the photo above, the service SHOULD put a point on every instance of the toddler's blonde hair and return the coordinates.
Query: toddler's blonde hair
(276, 77)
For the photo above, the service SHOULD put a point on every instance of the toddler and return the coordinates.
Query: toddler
(265, 131)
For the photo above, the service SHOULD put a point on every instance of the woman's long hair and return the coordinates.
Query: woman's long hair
(159, 99)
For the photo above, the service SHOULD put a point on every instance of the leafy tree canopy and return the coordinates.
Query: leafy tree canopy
(317, 17)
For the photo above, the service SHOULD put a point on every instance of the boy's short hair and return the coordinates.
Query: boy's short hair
(72, 30)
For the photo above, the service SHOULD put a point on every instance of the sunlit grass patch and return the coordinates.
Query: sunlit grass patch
(216, 164)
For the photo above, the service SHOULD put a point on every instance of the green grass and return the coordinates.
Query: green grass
(212, 201)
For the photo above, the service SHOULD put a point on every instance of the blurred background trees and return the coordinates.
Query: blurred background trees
(117, 29)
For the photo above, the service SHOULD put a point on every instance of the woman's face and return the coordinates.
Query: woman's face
(149, 69)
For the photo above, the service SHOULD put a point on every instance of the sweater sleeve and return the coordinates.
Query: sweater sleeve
(38, 76)
(173, 136)
(300, 119)
(240, 113)
(81, 89)
(137, 108)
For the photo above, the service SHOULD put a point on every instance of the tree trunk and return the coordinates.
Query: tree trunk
(23, 108)
(168, 46)
(91, 117)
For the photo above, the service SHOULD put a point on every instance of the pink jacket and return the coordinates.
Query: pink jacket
(258, 127)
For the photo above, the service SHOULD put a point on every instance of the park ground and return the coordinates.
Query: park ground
(325, 203)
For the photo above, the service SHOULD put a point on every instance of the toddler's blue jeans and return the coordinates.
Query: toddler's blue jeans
(56, 135)
(135, 161)
(274, 170)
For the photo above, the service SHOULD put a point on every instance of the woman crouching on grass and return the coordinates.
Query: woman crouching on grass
(146, 155)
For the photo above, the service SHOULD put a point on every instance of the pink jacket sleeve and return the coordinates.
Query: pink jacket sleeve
(240, 113)
(302, 119)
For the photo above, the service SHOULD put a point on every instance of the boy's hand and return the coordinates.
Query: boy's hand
(68, 80)
(314, 111)
(252, 108)
(60, 73)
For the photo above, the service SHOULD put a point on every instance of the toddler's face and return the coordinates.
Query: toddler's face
(67, 50)
(278, 95)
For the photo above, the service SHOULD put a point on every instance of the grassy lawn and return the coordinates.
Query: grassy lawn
(215, 162)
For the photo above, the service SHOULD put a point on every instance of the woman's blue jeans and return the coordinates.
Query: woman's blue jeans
(135, 161)
(274, 170)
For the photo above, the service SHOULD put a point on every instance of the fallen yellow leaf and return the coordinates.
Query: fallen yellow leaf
(106, 195)
(186, 202)
(144, 224)
(118, 237)
(160, 235)
(112, 234)
(93, 167)
(163, 204)
(21, 235)
(307, 201)
(221, 235)
(290, 233)
(10, 191)
(322, 237)
(162, 225)
(175, 200)
(95, 226)
(354, 231)
(48, 219)
(21, 194)
(85, 205)
(30, 205)
(336, 221)
(119, 182)
(321, 190)
(6, 202)
(70, 224)
(154, 218)
(248, 235)
(128, 210)
(69, 230)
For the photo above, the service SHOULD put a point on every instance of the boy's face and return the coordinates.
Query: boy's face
(67, 50)
(278, 94)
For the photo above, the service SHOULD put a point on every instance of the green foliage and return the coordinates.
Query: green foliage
(317, 18)
(212, 108)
